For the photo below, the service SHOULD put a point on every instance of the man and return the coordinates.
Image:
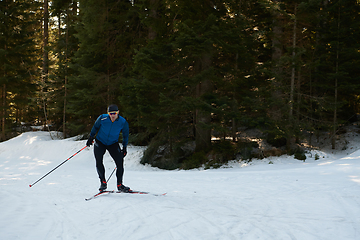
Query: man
(107, 129)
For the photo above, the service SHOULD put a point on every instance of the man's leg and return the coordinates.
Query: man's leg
(118, 156)
(99, 151)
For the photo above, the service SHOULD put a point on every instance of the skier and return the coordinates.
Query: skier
(107, 129)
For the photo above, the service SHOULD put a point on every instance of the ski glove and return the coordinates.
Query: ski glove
(124, 152)
(89, 141)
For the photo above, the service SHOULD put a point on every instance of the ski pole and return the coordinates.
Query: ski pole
(111, 174)
(57, 167)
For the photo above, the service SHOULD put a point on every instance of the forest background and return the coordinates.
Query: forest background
(183, 72)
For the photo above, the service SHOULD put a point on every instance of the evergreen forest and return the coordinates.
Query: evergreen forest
(189, 76)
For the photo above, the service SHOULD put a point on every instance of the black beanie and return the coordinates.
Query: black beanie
(113, 108)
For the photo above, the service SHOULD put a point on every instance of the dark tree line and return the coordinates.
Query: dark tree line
(182, 71)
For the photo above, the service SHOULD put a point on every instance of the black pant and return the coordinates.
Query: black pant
(115, 153)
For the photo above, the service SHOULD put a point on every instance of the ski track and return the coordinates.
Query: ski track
(317, 200)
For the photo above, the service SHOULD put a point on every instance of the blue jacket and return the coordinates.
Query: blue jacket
(108, 132)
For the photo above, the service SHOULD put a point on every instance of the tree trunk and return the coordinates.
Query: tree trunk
(234, 126)
(65, 66)
(45, 40)
(3, 103)
(153, 12)
(277, 46)
(290, 139)
(298, 85)
(45, 69)
(292, 84)
(333, 142)
(203, 118)
(3, 94)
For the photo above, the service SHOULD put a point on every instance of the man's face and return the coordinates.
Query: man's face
(113, 115)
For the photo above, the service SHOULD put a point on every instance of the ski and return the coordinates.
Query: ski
(139, 192)
(98, 194)
(131, 192)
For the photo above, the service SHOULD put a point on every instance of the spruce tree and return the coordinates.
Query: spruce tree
(103, 57)
(63, 48)
(188, 71)
(18, 62)
(340, 79)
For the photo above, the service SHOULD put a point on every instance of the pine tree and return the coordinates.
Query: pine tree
(63, 48)
(102, 59)
(18, 61)
(185, 74)
(341, 42)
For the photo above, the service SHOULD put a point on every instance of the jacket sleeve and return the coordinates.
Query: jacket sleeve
(125, 133)
(96, 127)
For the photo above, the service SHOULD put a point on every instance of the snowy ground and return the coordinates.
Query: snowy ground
(288, 199)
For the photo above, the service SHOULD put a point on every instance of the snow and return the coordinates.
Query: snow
(288, 199)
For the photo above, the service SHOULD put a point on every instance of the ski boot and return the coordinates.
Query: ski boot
(103, 186)
(123, 188)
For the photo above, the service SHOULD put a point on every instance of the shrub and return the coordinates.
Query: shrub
(300, 154)
(194, 161)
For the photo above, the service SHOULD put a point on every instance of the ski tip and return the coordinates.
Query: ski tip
(30, 185)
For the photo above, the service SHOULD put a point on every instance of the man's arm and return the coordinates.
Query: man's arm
(125, 133)
(96, 127)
